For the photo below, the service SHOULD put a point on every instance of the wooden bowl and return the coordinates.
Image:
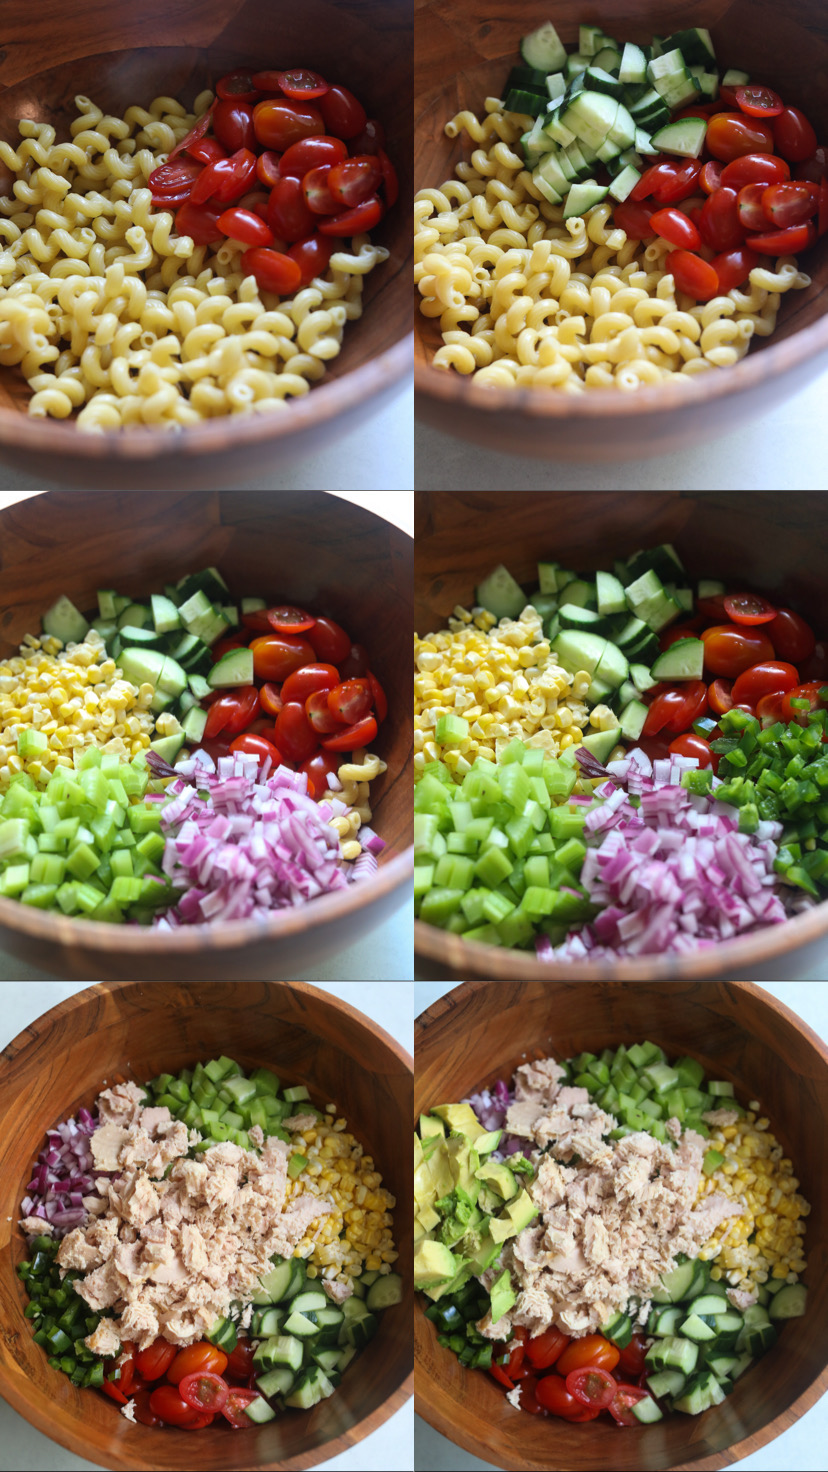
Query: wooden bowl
(306, 547)
(135, 1030)
(120, 55)
(463, 54)
(479, 1033)
(774, 541)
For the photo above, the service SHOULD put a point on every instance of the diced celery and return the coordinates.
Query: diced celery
(31, 743)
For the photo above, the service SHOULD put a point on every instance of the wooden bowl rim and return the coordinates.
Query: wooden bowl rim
(734, 1453)
(320, 405)
(65, 1436)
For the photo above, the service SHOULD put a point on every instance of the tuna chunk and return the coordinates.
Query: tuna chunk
(299, 1122)
(37, 1226)
(723, 1117)
(742, 1298)
(521, 1116)
(107, 1143)
(76, 1251)
(120, 1104)
(337, 1292)
(105, 1340)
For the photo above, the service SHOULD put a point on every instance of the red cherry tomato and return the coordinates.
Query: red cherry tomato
(621, 1405)
(275, 656)
(380, 701)
(142, 1411)
(355, 664)
(810, 691)
(755, 168)
(200, 222)
(390, 182)
(748, 608)
(733, 267)
(668, 182)
(668, 637)
(174, 180)
(267, 168)
(676, 707)
(312, 255)
(331, 643)
(311, 153)
(233, 710)
(592, 1349)
(791, 203)
(784, 242)
(592, 1386)
(814, 168)
(767, 678)
(730, 134)
(243, 225)
(499, 1374)
(238, 85)
(552, 1394)
(769, 707)
(155, 1360)
(729, 650)
(286, 618)
(287, 212)
(318, 197)
(720, 224)
(790, 636)
(270, 698)
(719, 696)
(253, 744)
(352, 181)
(166, 1403)
(710, 176)
(273, 270)
(632, 1357)
(233, 124)
(237, 1400)
(294, 733)
(203, 1391)
(266, 82)
(353, 222)
(321, 717)
(350, 701)
(197, 131)
(308, 680)
(318, 768)
(633, 217)
(352, 738)
(206, 150)
(240, 1360)
(343, 113)
(793, 135)
(675, 226)
(371, 139)
(692, 275)
(749, 206)
(302, 84)
(279, 124)
(112, 1389)
(225, 180)
(758, 101)
(543, 1350)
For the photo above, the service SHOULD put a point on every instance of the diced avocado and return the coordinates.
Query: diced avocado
(460, 1117)
(488, 1200)
(500, 1177)
(503, 1297)
(484, 1254)
(463, 1163)
(418, 1152)
(429, 1125)
(428, 1218)
(434, 1264)
(486, 1143)
(522, 1210)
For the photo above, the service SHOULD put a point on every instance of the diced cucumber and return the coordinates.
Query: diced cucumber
(276, 1281)
(590, 40)
(285, 1349)
(555, 130)
(550, 180)
(702, 1392)
(165, 616)
(534, 143)
(590, 115)
(278, 1381)
(644, 142)
(598, 80)
(666, 1382)
(168, 747)
(609, 593)
(710, 588)
(624, 183)
(684, 660)
(601, 743)
(679, 1354)
(647, 1411)
(194, 723)
(385, 1292)
(146, 638)
(134, 616)
(696, 46)
(583, 197)
(618, 1329)
(734, 78)
(543, 49)
(234, 668)
(106, 604)
(632, 719)
(144, 666)
(302, 1325)
(199, 686)
(608, 59)
(633, 64)
(613, 665)
(577, 651)
(696, 1327)
(573, 617)
(648, 601)
(65, 622)
(209, 581)
(675, 1283)
(599, 691)
(520, 100)
(575, 63)
(684, 137)
(499, 593)
(313, 1387)
(789, 1302)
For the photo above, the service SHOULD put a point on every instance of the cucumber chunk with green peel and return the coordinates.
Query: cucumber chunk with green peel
(684, 660)
(584, 197)
(65, 622)
(633, 64)
(632, 720)
(684, 137)
(500, 594)
(624, 183)
(579, 651)
(134, 616)
(735, 78)
(601, 743)
(543, 49)
(234, 668)
(609, 593)
(590, 40)
(165, 616)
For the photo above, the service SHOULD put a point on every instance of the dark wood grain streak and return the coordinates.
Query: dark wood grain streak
(463, 52)
(307, 547)
(480, 1032)
(775, 541)
(120, 55)
(135, 1030)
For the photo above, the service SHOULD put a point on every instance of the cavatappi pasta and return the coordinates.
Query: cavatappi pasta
(526, 299)
(107, 311)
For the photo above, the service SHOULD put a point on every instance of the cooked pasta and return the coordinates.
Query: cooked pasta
(110, 314)
(525, 298)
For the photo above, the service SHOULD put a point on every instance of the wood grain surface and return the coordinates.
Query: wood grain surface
(306, 547)
(480, 1032)
(118, 55)
(134, 1031)
(463, 52)
(775, 541)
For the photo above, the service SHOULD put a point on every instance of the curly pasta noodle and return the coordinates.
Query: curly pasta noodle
(113, 316)
(526, 298)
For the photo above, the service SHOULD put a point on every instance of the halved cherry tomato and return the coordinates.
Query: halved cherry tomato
(769, 708)
(673, 225)
(712, 608)
(267, 168)
(633, 217)
(266, 81)
(783, 242)
(320, 715)
(112, 1389)
(351, 738)
(240, 1360)
(544, 1349)
(515, 1350)
(303, 84)
(238, 85)
(719, 696)
(790, 636)
(500, 1375)
(307, 680)
(528, 1397)
(814, 168)
(380, 701)
(311, 153)
(312, 255)
(279, 124)
(810, 691)
(748, 608)
(710, 176)
(632, 1357)
(794, 137)
(343, 113)
(353, 180)
(720, 223)
(275, 656)
(667, 182)
(350, 701)
(174, 179)
(206, 150)
(625, 1398)
(688, 630)
(200, 222)
(155, 1360)
(166, 1403)
(691, 274)
(226, 180)
(592, 1349)
(130, 1375)
(355, 665)
(273, 270)
(733, 267)
(689, 744)
(203, 1391)
(318, 197)
(331, 643)
(765, 678)
(294, 733)
(352, 222)
(197, 131)
(791, 203)
(243, 225)
(287, 212)
(234, 1410)
(592, 1385)
(252, 744)
(286, 618)
(749, 206)
(233, 710)
(199, 1356)
(758, 101)
(144, 1415)
(729, 650)
(318, 768)
(730, 134)
(553, 1396)
(676, 707)
(233, 124)
(754, 168)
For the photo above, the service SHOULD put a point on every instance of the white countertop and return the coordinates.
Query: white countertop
(390, 1449)
(797, 1448)
(783, 450)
